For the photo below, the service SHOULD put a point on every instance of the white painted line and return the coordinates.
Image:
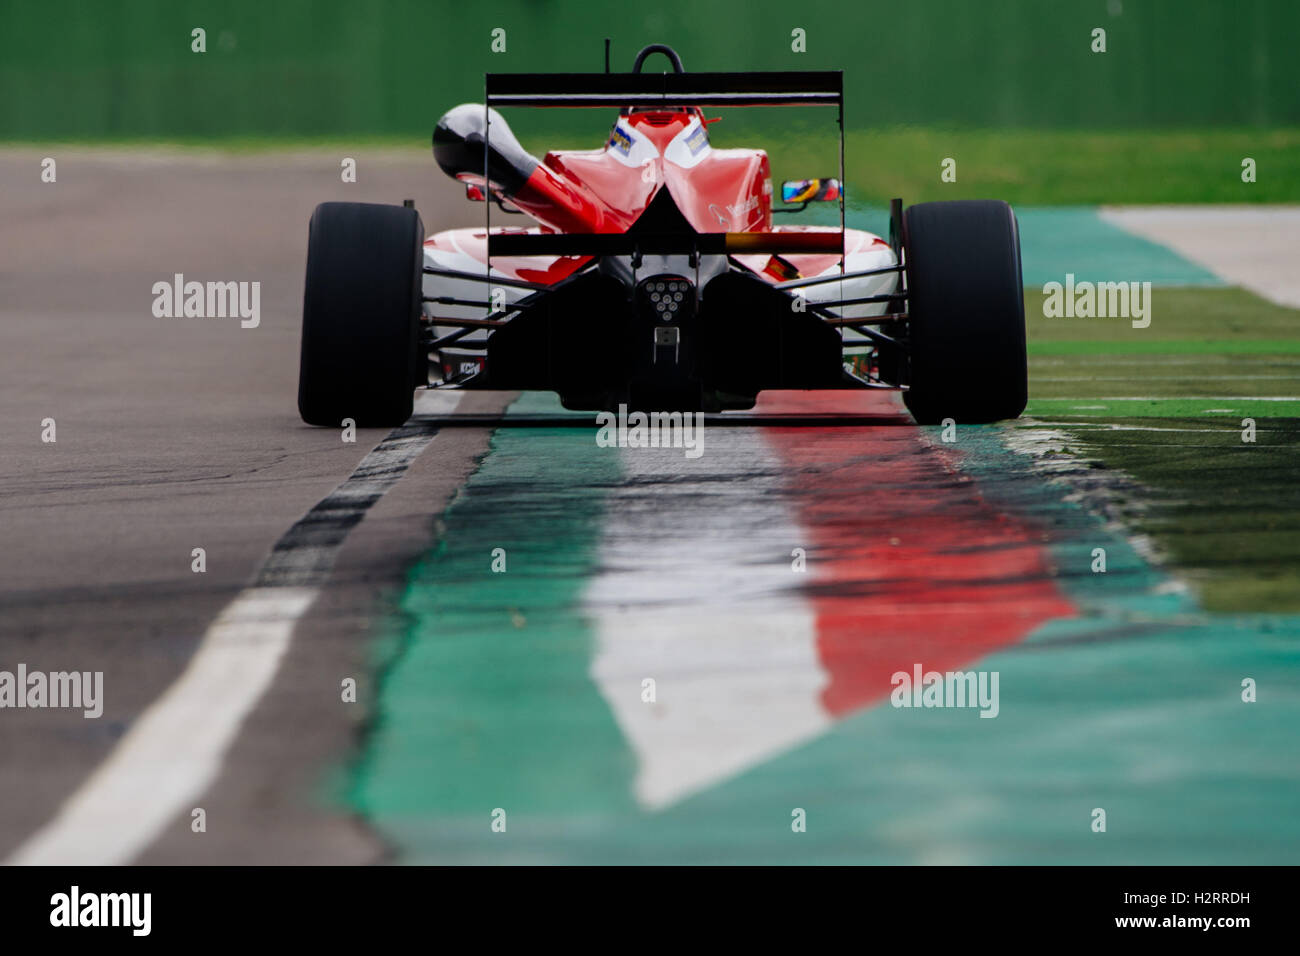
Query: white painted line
(174, 750)
(1177, 398)
(702, 598)
(1109, 426)
(1165, 359)
(436, 402)
(1139, 375)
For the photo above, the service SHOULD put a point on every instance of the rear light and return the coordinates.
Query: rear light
(667, 297)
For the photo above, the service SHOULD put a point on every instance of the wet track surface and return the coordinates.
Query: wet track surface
(770, 589)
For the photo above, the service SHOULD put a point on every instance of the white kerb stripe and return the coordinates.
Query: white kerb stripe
(696, 591)
(174, 750)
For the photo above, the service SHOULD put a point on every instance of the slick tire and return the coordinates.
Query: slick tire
(361, 315)
(966, 312)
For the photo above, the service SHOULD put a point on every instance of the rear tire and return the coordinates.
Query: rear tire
(966, 311)
(361, 315)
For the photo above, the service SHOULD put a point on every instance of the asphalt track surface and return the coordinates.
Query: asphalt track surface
(222, 689)
(182, 433)
(175, 434)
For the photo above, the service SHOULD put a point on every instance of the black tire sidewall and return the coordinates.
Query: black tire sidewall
(361, 314)
(966, 312)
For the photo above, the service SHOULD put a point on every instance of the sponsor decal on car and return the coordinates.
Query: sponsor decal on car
(620, 141)
(697, 140)
(736, 211)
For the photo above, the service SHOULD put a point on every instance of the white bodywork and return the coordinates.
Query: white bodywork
(864, 252)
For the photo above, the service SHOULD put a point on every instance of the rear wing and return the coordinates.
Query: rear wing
(671, 91)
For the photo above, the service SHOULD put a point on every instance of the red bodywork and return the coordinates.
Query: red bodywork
(594, 191)
(616, 194)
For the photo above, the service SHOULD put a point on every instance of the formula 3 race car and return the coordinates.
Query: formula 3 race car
(654, 276)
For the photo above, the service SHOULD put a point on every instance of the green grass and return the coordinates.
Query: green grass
(1201, 343)
(1226, 512)
(1209, 347)
(1024, 167)
(1180, 317)
(1232, 409)
(1050, 167)
(1165, 405)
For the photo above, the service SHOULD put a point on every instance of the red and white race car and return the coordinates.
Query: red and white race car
(654, 275)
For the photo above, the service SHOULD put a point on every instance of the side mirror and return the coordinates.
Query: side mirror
(810, 190)
(476, 193)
